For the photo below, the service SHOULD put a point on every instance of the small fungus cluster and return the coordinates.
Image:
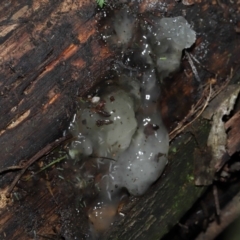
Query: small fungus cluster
(120, 129)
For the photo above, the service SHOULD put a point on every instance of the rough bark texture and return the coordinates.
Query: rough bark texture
(51, 53)
(161, 208)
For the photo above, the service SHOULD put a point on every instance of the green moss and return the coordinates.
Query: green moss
(173, 150)
(100, 3)
(190, 178)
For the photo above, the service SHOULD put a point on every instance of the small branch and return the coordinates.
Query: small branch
(192, 112)
(199, 107)
(37, 156)
(228, 215)
(216, 200)
(12, 168)
(194, 70)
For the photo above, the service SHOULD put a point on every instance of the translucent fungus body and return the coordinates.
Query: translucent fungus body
(121, 125)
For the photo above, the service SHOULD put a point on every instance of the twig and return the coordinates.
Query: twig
(199, 106)
(216, 200)
(12, 168)
(38, 155)
(228, 214)
(200, 64)
(225, 84)
(194, 70)
(107, 158)
(181, 126)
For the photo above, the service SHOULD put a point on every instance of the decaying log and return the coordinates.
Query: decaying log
(51, 52)
(156, 212)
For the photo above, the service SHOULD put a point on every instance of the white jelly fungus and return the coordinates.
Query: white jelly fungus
(122, 128)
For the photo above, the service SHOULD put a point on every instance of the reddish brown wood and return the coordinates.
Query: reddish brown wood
(51, 53)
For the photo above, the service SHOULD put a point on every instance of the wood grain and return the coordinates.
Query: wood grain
(51, 53)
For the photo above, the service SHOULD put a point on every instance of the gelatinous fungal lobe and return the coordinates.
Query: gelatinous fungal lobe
(121, 127)
(103, 133)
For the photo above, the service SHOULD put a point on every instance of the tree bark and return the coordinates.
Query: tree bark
(51, 53)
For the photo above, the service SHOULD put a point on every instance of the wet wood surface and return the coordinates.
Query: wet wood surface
(51, 53)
